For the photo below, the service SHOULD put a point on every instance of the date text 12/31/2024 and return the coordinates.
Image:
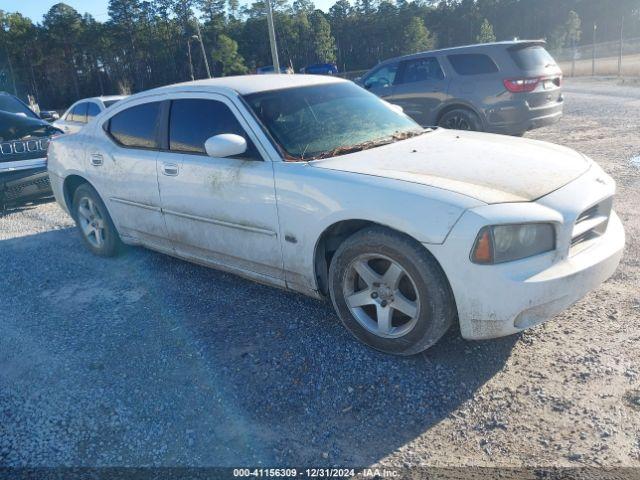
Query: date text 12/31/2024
(314, 473)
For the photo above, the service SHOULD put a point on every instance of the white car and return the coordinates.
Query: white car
(83, 111)
(313, 184)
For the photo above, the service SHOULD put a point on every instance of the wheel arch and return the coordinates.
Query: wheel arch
(332, 237)
(69, 187)
(459, 104)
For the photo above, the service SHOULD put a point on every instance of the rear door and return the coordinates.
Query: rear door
(420, 88)
(122, 165)
(381, 80)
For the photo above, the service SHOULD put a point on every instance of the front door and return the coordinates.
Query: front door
(420, 88)
(217, 210)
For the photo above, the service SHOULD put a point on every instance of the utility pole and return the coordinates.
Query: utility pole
(593, 53)
(621, 47)
(272, 38)
(204, 53)
(189, 55)
(574, 52)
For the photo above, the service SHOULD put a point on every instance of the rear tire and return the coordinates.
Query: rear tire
(389, 292)
(94, 222)
(461, 119)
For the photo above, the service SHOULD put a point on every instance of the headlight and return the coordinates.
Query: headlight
(505, 243)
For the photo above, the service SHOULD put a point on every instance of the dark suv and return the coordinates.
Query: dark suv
(503, 87)
(24, 139)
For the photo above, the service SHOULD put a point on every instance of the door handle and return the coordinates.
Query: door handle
(170, 169)
(96, 159)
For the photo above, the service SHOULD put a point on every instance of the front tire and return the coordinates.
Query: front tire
(389, 292)
(461, 119)
(94, 222)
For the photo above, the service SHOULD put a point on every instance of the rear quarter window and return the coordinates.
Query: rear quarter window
(472, 64)
(532, 58)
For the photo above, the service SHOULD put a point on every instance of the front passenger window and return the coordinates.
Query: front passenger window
(192, 121)
(383, 77)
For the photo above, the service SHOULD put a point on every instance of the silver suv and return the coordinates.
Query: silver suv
(503, 87)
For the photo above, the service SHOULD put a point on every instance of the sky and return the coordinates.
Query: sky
(35, 9)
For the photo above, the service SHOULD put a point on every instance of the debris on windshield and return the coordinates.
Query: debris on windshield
(344, 149)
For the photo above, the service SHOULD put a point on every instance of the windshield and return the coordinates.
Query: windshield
(9, 103)
(328, 120)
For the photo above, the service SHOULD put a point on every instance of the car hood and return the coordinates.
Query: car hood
(489, 168)
(14, 127)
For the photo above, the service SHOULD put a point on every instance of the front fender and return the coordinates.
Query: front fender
(311, 200)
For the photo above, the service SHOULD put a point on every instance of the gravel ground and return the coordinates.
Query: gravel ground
(148, 360)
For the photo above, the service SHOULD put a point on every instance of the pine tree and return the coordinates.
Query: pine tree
(486, 34)
(416, 37)
(226, 57)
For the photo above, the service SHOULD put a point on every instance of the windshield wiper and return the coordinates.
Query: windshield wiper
(344, 149)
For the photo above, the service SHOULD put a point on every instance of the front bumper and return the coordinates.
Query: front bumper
(499, 300)
(22, 185)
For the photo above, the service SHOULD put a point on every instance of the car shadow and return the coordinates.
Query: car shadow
(17, 207)
(156, 361)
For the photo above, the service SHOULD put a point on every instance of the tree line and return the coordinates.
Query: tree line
(144, 44)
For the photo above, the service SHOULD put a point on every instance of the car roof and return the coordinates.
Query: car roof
(104, 98)
(463, 48)
(247, 84)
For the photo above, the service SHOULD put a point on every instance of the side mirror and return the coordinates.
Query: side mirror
(225, 145)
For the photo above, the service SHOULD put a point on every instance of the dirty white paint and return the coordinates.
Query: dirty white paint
(635, 161)
(263, 219)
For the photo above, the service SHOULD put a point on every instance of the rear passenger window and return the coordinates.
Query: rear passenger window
(472, 64)
(192, 121)
(79, 113)
(421, 70)
(92, 111)
(136, 126)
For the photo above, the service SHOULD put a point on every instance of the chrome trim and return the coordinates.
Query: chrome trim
(222, 223)
(19, 147)
(590, 224)
(135, 204)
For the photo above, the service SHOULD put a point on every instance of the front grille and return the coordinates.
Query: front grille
(15, 150)
(590, 224)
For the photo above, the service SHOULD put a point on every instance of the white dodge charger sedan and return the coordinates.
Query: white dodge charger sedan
(313, 184)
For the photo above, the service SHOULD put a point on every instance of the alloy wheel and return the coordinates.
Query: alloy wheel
(381, 295)
(458, 122)
(91, 222)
